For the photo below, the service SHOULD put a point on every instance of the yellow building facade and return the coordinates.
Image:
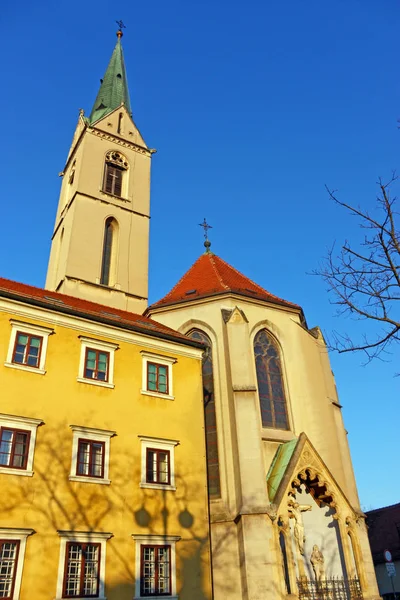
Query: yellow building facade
(102, 453)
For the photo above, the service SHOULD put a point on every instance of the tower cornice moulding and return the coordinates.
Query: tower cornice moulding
(119, 141)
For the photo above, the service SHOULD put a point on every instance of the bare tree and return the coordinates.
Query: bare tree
(364, 279)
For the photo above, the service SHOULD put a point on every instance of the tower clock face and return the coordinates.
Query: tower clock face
(388, 556)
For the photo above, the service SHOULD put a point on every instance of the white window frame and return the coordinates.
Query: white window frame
(149, 357)
(155, 540)
(10, 533)
(37, 330)
(96, 435)
(158, 444)
(103, 347)
(82, 537)
(28, 424)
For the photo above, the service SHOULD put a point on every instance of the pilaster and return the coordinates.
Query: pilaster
(251, 462)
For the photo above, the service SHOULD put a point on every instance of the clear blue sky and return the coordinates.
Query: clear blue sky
(253, 107)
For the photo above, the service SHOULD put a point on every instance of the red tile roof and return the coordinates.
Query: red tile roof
(88, 310)
(384, 532)
(209, 276)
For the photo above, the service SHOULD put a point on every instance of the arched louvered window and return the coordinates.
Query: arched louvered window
(114, 172)
(109, 259)
(214, 485)
(271, 390)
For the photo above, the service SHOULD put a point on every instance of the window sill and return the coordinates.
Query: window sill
(164, 597)
(114, 196)
(157, 486)
(86, 597)
(279, 435)
(82, 479)
(25, 368)
(12, 471)
(157, 395)
(105, 384)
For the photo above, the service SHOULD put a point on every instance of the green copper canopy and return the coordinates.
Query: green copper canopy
(114, 87)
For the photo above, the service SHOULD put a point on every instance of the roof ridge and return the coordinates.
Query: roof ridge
(215, 268)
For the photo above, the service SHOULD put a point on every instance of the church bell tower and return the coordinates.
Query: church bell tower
(99, 249)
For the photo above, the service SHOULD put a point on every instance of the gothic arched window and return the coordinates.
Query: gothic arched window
(271, 390)
(214, 485)
(109, 259)
(114, 171)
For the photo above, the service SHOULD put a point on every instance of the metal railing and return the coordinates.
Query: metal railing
(335, 588)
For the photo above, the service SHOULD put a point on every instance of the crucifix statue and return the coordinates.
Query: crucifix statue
(295, 512)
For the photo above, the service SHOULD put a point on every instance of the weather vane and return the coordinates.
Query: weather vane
(206, 227)
(121, 25)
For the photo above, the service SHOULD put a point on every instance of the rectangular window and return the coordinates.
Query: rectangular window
(14, 448)
(96, 364)
(82, 566)
(27, 349)
(157, 378)
(8, 566)
(113, 180)
(90, 458)
(157, 466)
(155, 570)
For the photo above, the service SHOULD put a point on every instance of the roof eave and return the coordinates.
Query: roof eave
(161, 305)
(99, 319)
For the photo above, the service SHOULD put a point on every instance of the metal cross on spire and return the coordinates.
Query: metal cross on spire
(206, 227)
(121, 26)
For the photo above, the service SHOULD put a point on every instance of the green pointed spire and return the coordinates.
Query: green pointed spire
(114, 86)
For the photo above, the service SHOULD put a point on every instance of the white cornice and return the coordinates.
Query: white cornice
(91, 328)
(18, 419)
(84, 536)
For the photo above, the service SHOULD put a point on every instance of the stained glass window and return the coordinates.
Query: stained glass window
(271, 390)
(214, 485)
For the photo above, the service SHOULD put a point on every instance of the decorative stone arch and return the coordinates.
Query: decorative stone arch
(271, 327)
(296, 464)
(117, 158)
(198, 324)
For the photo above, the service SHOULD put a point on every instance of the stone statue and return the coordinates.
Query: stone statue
(318, 563)
(295, 510)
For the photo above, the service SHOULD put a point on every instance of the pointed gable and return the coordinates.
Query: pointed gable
(210, 276)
